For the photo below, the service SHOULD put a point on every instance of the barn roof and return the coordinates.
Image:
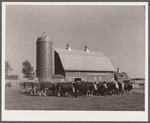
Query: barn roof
(125, 76)
(84, 61)
(121, 76)
(118, 76)
(137, 79)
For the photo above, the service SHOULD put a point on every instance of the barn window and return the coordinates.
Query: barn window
(100, 79)
(77, 74)
(62, 80)
(95, 78)
(83, 79)
(77, 79)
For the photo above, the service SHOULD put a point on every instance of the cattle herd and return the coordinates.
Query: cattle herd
(76, 88)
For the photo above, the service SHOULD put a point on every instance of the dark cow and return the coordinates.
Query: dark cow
(65, 89)
(28, 85)
(85, 88)
(43, 87)
(21, 85)
(128, 86)
(8, 85)
(35, 88)
(113, 88)
(102, 88)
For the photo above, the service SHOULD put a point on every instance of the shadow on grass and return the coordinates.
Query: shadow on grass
(28, 94)
(24, 93)
(31, 95)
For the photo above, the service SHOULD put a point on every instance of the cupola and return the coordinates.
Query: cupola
(44, 37)
(118, 70)
(86, 48)
(68, 46)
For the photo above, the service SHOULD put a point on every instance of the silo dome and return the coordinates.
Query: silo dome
(44, 37)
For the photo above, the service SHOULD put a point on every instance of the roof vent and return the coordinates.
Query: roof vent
(68, 47)
(86, 48)
(118, 70)
(44, 35)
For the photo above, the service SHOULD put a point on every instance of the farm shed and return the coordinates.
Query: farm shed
(121, 76)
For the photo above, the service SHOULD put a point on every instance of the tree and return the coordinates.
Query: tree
(16, 77)
(27, 69)
(7, 68)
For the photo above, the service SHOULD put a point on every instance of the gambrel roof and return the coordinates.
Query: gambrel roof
(76, 60)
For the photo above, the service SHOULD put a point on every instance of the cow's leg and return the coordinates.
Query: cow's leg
(104, 92)
(127, 91)
(58, 94)
(40, 93)
(76, 93)
(31, 90)
(35, 90)
(113, 92)
(24, 90)
(66, 94)
(86, 95)
(53, 92)
(45, 92)
(58, 90)
(91, 94)
(130, 92)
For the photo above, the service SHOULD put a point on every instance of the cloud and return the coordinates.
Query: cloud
(113, 57)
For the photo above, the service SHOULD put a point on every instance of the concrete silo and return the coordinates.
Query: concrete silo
(45, 59)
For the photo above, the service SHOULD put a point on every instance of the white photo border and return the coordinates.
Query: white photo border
(37, 115)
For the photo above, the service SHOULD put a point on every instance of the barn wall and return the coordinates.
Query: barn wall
(90, 76)
(58, 65)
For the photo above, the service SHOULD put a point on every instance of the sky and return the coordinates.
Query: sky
(117, 31)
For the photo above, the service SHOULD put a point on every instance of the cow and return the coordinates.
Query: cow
(113, 88)
(85, 88)
(102, 88)
(128, 86)
(9, 85)
(28, 85)
(21, 85)
(65, 89)
(43, 87)
(121, 88)
(34, 88)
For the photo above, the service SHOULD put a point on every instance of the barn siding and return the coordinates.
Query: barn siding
(90, 76)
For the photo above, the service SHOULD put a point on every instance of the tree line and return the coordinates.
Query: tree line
(27, 70)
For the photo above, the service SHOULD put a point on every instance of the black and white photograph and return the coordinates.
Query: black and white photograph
(74, 61)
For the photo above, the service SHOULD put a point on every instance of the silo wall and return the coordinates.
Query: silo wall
(45, 59)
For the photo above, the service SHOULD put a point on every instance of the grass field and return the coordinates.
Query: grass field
(16, 100)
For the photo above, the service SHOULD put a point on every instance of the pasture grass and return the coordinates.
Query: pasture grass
(15, 99)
